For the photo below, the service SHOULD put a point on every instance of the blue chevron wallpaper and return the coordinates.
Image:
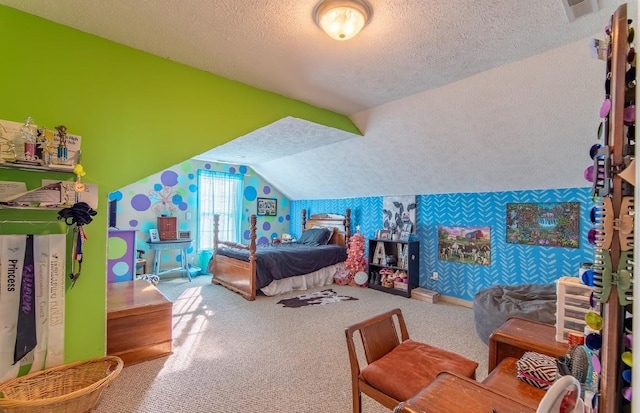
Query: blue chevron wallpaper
(510, 263)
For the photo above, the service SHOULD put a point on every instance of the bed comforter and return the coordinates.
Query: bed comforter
(278, 261)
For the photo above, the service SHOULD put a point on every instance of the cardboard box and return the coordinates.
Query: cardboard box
(423, 294)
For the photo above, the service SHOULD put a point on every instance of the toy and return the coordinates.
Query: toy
(384, 274)
(401, 276)
(391, 259)
(389, 280)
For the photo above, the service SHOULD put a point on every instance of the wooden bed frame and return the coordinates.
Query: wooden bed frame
(240, 276)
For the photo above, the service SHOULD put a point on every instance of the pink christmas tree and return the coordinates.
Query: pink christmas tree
(355, 255)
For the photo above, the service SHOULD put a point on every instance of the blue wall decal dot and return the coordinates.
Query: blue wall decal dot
(169, 178)
(250, 193)
(115, 196)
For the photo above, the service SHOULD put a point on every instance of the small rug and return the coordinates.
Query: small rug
(318, 298)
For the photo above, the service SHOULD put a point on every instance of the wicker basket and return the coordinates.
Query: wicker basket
(70, 388)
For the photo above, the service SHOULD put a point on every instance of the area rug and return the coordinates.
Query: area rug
(318, 298)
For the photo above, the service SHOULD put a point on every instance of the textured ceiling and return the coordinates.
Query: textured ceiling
(452, 96)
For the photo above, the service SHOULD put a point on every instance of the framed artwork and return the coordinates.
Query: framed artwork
(184, 234)
(384, 234)
(465, 245)
(153, 235)
(397, 211)
(549, 224)
(267, 207)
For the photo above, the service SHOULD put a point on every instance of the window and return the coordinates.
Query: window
(219, 193)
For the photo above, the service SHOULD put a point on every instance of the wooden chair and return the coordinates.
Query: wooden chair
(141, 263)
(396, 367)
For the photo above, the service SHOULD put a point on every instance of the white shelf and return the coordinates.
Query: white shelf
(42, 168)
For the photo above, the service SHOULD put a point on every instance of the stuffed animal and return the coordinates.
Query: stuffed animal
(384, 274)
(389, 280)
(401, 276)
(391, 259)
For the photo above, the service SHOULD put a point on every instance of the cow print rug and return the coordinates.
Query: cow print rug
(318, 298)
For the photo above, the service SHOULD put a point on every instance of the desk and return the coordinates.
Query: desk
(517, 336)
(504, 379)
(176, 244)
(452, 393)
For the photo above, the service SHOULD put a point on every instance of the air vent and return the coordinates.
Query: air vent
(579, 8)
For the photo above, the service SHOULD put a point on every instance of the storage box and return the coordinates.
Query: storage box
(139, 325)
(423, 294)
(571, 306)
(167, 228)
(400, 285)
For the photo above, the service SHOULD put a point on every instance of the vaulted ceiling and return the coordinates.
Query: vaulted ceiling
(450, 96)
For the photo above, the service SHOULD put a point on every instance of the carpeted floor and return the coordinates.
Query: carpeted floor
(234, 355)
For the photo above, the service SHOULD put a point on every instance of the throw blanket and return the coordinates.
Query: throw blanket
(278, 261)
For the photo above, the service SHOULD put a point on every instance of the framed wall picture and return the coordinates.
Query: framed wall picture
(546, 224)
(267, 207)
(153, 235)
(384, 234)
(398, 210)
(465, 245)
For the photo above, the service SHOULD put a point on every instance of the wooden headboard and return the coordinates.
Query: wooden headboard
(340, 223)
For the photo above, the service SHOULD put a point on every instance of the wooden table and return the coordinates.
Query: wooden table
(176, 244)
(505, 380)
(451, 393)
(139, 324)
(517, 336)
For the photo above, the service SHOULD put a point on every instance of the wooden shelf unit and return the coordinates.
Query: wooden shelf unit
(407, 255)
(613, 313)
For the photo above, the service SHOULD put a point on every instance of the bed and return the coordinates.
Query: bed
(278, 268)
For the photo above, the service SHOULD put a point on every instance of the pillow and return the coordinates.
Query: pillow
(316, 236)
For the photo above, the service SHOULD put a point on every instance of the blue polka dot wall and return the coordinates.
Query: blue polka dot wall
(174, 192)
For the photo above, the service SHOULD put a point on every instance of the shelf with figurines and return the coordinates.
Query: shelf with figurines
(30, 147)
(393, 265)
(26, 146)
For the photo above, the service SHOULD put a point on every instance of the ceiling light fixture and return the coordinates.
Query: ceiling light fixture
(342, 19)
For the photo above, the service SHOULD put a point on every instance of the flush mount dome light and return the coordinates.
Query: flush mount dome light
(342, 19)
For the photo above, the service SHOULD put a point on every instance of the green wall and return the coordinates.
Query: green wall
(136, 113)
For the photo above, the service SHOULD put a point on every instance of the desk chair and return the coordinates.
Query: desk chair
(396, 367)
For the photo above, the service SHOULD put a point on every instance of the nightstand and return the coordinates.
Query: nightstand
(517, 336)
